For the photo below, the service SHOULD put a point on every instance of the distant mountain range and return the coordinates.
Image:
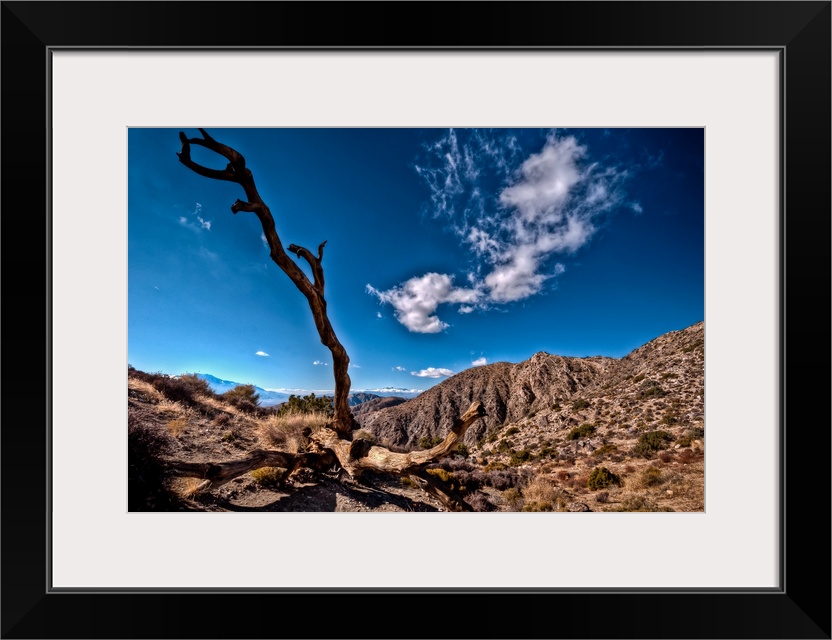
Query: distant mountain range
(272, 397)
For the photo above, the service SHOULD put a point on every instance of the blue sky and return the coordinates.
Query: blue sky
(445, 249)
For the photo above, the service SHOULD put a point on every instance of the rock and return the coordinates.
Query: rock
(578, 507)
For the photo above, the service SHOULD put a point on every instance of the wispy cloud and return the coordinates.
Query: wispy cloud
(432, 372)
(318, 363)
(515, 213)
(479, 362)
(262, 354)
(354, 366)
(399, 369)
(199, 223)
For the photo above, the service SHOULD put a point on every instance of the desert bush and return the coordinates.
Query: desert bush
(286, 431)
(269, 476)
(307, 404)
(175, 389)
(651, 389)
(479, 502)
(604, 450)
(543, 494)
(196, 384)
(581, 432)
(601, 478)
(222, 419)
(229, 436)
(511, 431)
(177, 426)
(519, 457)
(686, 457)
(243, 396)
(602, 497)
(428, 442)
(652, 441)
(513, 498)
(650, 477)
(579, 404)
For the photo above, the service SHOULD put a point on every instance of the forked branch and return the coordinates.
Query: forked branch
(236, 171)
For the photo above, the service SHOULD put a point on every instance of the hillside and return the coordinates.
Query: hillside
(561, 433)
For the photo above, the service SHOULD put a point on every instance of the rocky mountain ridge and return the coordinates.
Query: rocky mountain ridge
(555, 392)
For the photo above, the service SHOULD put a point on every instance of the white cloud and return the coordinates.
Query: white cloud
(263, 240)
(399, 369)
(354, 366)
(318, 363)
(417, 299)
(378, 314)
(637, 208)
(549, 204)
(479, 362)
(432, 372)
(262, 354)
(201, 222)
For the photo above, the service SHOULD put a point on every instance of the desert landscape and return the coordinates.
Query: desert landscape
(547, 253)
(559, 434)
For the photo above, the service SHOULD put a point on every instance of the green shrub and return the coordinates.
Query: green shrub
(462, 449)
(243, 396)
(428, 442)
(580, 404)
(519, 457)
(651, 389)
(601, 478)
(308, 404)
(267, 475)
(604, 450)
(652, 441)
(581, 432)
(511, 431)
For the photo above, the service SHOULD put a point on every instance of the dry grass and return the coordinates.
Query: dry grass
(286, 432)
(545, 494)
(149, 391)
(170, 409)
(177, 426)
(187, 487)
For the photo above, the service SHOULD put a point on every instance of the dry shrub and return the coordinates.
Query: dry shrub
(286, 431)
(545, 492)
(687, 456)
(144, 387)
(188, 487)
(513, 499)
(650, 477)
(665, 457)
(177, 426)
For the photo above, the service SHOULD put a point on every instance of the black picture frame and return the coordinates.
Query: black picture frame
(800, 608)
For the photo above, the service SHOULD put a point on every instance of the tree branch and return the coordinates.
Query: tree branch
(218, 473)
(236, 171)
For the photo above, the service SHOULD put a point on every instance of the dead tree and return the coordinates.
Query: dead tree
(334, 445)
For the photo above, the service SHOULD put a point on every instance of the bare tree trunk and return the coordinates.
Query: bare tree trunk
(329, 445)
(236, 171)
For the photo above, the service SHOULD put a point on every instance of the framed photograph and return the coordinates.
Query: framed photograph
(538, 123)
